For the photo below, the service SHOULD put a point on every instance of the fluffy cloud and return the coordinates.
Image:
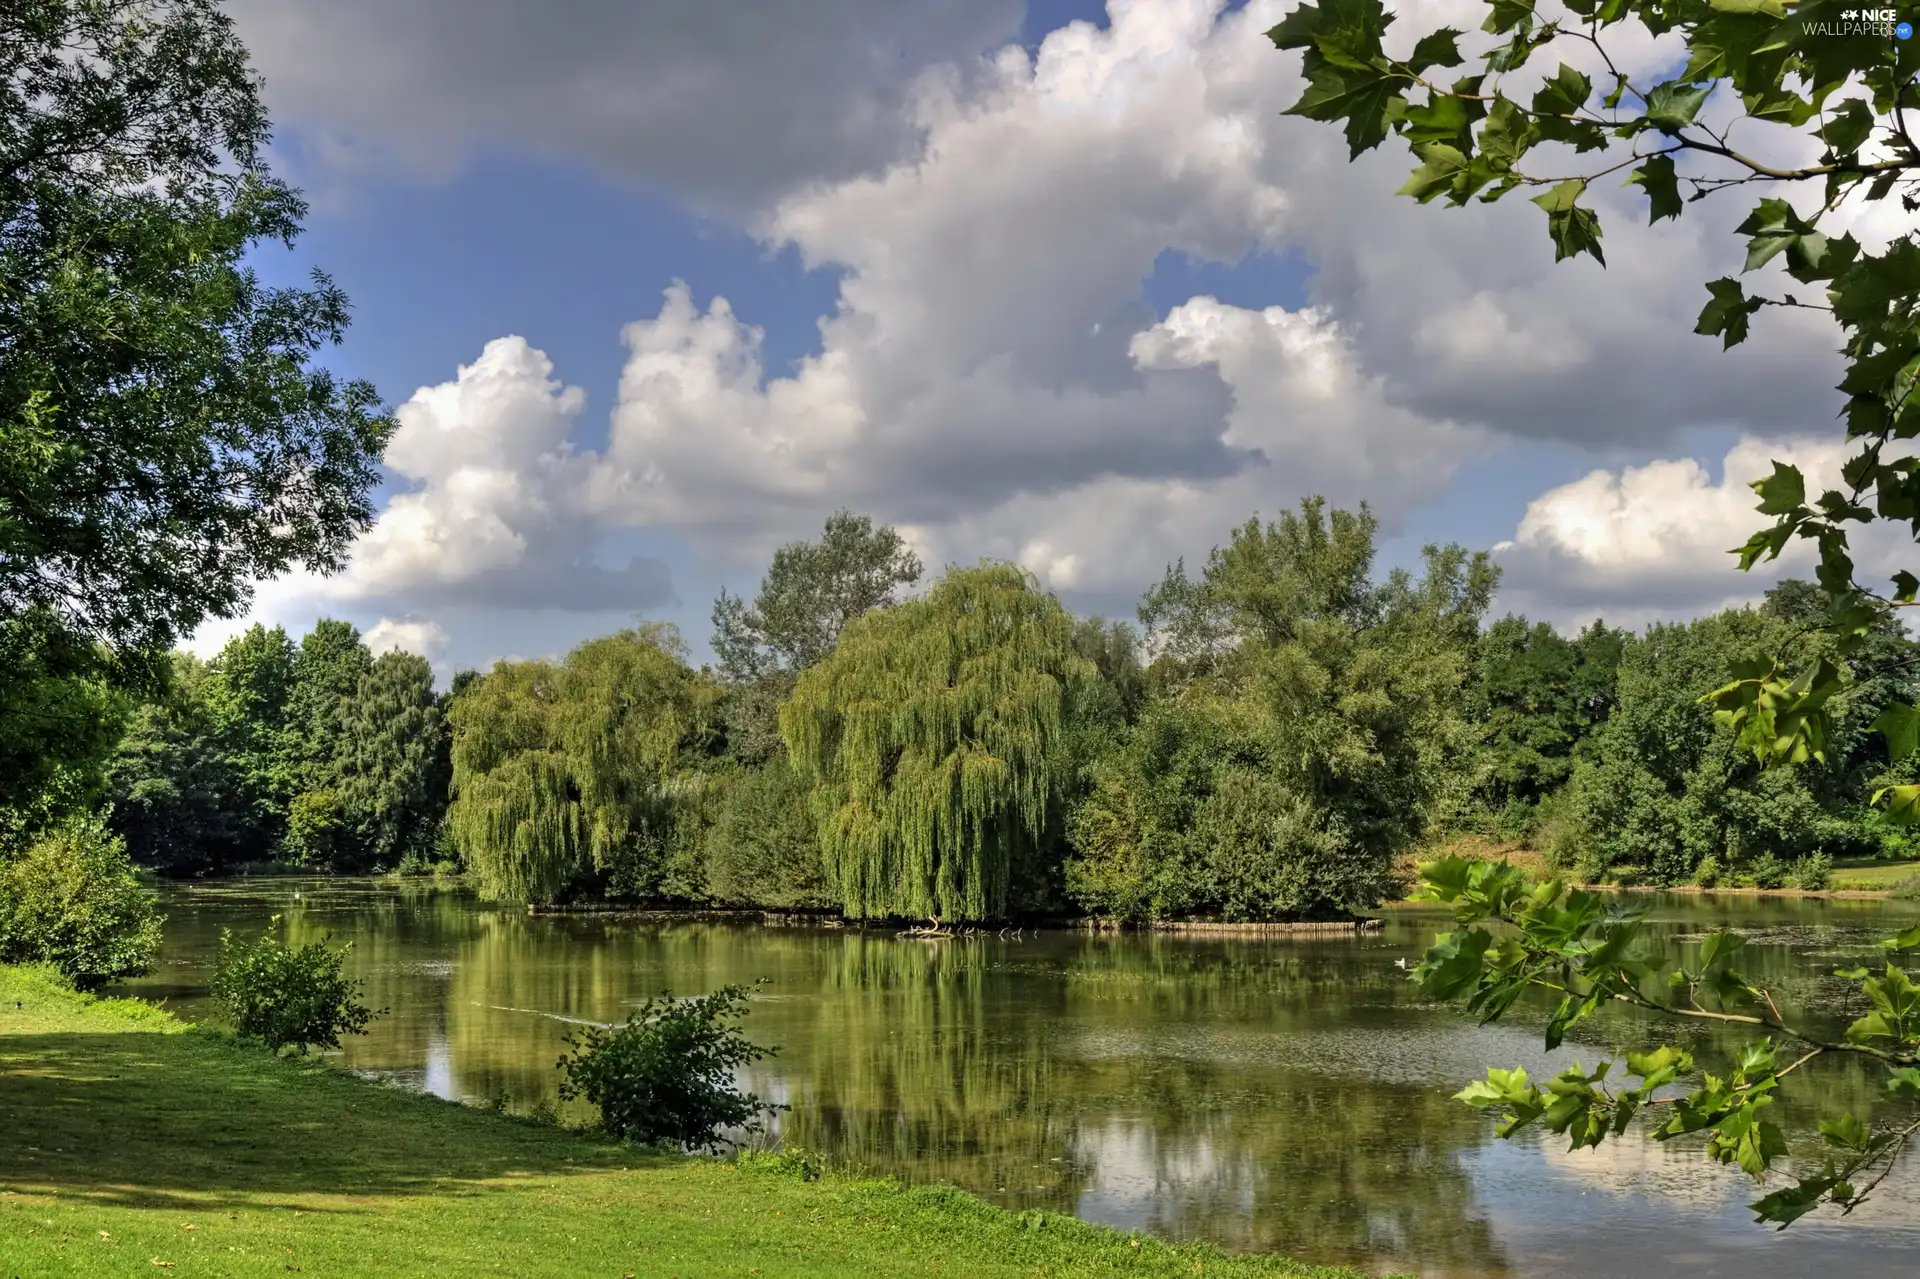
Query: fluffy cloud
(709, 100)
(493, 514)
(419, 636)
(1649, 543)
(991, 379)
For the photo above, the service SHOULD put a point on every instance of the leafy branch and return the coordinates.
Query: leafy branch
(1586, 951)
(1791, 68)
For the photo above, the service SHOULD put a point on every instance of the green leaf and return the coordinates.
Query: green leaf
(1899, 723)
(1440, 166)
(1507, 14)
(1848, 127)
(1727, 313)
(1565, 94)
(1671, 106)
(1783, 492)
(1436, 49)
(1903, 804)
(1899, 941)
(1574, 230)
(1360, 97)
(1656, 178)
(1774, 228)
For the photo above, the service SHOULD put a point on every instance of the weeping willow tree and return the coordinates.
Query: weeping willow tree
(568, 777)
(932, 737)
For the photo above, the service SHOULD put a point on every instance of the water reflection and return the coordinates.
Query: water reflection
(1264, 1094)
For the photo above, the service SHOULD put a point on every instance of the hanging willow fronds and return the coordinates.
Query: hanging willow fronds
(932, 738)
(561, 772)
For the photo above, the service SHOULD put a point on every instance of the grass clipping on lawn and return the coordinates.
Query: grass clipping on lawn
(133, 1143)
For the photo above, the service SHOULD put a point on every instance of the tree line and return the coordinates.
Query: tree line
(1282, 728)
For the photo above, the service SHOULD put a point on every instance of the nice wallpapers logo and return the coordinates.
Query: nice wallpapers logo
(1864, 22)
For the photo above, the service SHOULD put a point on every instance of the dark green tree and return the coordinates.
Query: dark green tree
(934, 739)
(392, 778)
(60, 714)
(165, 435)
(327, 672)
(1538, 698)
(249, 688)
(173, 793)
(1308, 718)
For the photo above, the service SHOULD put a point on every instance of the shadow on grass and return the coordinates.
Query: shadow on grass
(152, 1120)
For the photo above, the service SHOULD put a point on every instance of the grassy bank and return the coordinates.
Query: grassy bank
(131, 1144)
(1853, 877)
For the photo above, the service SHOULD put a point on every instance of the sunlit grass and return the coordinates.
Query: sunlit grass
(136, 1145)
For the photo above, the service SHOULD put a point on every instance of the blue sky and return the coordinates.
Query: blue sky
(1096, 302)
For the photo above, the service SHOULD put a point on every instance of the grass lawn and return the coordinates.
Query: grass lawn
(131, 1144)
(1872, 875)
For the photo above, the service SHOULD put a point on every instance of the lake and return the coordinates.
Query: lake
(1270, 1094)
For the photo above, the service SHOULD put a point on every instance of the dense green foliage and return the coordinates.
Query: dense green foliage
(288, 996)
(573, 777)
(1308, 719)
(976, 753)
(317, 754)
(667, 1075)
(934, 738)
(166, 436)
(70, 899)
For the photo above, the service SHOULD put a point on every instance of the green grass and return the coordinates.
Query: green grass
(1871, 875)
(131, 1144)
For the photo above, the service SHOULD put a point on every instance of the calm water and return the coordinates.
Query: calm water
(1285, 1095)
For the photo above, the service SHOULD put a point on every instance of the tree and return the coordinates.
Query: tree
(1309, 716)
(250, 686)
(811, 592)
(933, 739)
(1803, 78)
(327, 672)
(60, 715)
(567, 778)
(392, 777)
(1266, 580)
(1538, 698)
(174, 795)
(165, 436)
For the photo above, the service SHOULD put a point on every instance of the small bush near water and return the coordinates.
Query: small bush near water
(667, 1074)
(288, 995)
(70, 899)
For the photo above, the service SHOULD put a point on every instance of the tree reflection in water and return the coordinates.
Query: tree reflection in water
(1283, 1095)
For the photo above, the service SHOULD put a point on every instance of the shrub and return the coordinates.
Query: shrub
(667, 1074)
(1767, 871)
(281, 995)
(1707, 873)
(1813, 872)
(71, 900)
